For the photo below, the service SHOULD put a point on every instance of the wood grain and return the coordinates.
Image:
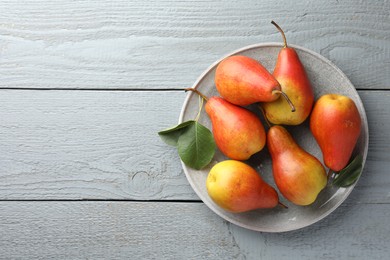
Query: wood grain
(89, 145)
(104, 145)
(353, 231)
(168, 44)
(155, 230)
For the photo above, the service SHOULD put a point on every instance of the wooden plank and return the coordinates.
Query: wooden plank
(111, 230)
(89, 145)
(375, 180)
(168, 44)
(104, 145)
(353, 231)
(155, 230)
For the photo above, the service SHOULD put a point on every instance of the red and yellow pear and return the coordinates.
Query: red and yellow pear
(242, 81)
(299, 176)
(336, 124)
(238, 132)
(291, 74)
(237, 187)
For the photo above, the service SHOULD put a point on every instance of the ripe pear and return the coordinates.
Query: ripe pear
(298, 175)
(242, 81)
(238, 132)
(291, 74)
(336, 124)
(237, 187)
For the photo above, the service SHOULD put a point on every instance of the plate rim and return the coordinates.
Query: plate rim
(316, 55)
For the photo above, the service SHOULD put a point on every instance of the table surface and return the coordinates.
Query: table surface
(86, 85)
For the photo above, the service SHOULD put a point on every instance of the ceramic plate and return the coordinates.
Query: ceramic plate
(325, 78)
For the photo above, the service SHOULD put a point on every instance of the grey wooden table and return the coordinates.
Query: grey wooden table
(86, 85)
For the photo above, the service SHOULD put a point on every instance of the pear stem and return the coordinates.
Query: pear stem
(265, 117)
(285, 97)
(197, 92)
(281, 204)
(281, 31)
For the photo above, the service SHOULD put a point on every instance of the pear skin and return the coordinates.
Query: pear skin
(242, 81)
(336, 124)
(298, 175)
(237, 187)
(238, 132)
(291, 74)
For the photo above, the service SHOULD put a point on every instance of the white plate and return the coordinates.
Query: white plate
(325, 78)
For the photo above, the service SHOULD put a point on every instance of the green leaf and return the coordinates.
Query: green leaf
(350, 173)
(196, 146)
(171, 135)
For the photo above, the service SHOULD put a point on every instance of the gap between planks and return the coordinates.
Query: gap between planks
(96, 89)
(147, 201)
(102, 200)
(138, 89)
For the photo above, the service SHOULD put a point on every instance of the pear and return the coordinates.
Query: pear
(335, 124)
(237, 187)
(298, 175)
(291, 74)
(242, 81)
(238, 132)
